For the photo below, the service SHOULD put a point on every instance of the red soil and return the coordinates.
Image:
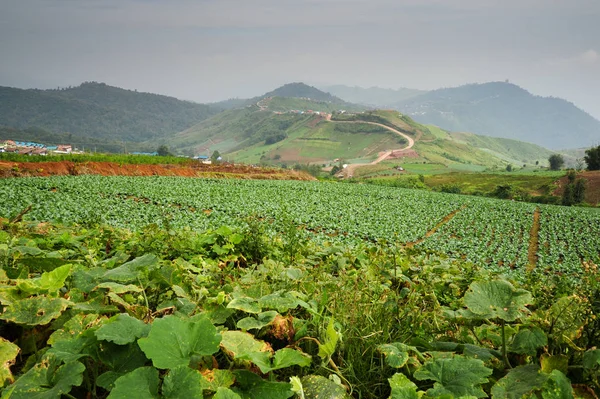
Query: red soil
(592, 192)
(225, 170)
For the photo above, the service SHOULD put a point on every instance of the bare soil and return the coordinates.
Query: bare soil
(225, 170)
(592, 192)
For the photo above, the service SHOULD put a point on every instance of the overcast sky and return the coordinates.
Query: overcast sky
(211, 50)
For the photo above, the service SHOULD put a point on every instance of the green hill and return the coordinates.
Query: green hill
(501, 109)
(100, 111)
(258, 134)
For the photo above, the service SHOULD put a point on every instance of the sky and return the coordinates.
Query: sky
(212, 50)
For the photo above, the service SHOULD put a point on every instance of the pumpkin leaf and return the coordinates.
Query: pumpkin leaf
(122, 329)
(172, 341)
(34, 311)
(528, 341)
(182, 383)
(457, 375)
(8, 354)
(141, 383)
(402, 387)
(497, 299)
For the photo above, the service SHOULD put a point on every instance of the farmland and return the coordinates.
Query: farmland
(121, 286)
(484, 231)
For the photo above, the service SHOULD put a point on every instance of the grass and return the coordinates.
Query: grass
(116, 158)
(470, 183)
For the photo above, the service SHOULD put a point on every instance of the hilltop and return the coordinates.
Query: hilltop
(505, 110)
(98, 110)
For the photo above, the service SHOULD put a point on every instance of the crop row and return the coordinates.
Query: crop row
(484, 231)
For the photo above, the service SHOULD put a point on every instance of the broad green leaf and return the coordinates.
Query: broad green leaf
(24, 250)
(120, 288)
(38, 310)
(528, 341)
(591, 359)
(558, 386)
(214, 379)
(72, 349)
(497, 299)
(245, 304)
(281, 301)
(520, 381)
(172, 341)
(141, 383)
(396, 354)
(402, 387)
(182, 383)
(47, 283)
(557, 362)
(241, 344)
(122, 329)
(290, 357)
(8, 353)
(459, 376)
(226, 393)
(327, 348)
(133, 270)
(48, 379)
(316, 387)
(567, 317)
(254, 387)
(122, 358)
(262, 320)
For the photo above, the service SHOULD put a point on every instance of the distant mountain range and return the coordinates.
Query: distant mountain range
(97, 114)
(497, 109)
(374, 96)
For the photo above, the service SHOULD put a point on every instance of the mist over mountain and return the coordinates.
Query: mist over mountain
(501, 109)
(373, 96)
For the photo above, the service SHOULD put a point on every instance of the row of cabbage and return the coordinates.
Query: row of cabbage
(484, 231)
(329, 211)
(568, 237)
(489, 232)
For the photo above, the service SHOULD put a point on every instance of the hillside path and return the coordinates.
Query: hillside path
(349, 171)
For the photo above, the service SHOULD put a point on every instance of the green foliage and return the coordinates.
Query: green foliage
(360, 307)
(458, 376)
(163, 151)
(556, 161)
(497, 299)
(173, 341)
(592, 158)
(83, 112)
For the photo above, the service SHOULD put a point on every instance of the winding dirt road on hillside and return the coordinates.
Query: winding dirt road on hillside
(350, 169)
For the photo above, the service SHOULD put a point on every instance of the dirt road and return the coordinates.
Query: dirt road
(350, 169)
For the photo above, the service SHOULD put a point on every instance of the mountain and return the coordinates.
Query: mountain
(501, 109)
(259, 134)
(373, 96)
(301, 90)
(101, 111)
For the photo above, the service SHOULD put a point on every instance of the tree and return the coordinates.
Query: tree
(215, 157)
(592, 158)
(579, 191)
(509, 168)
(568, 197)
(556, 161)
(163, 151)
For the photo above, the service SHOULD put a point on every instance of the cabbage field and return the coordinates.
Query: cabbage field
(487, 232)
(181, 288)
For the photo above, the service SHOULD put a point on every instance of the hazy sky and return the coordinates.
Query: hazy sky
(210, 50)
